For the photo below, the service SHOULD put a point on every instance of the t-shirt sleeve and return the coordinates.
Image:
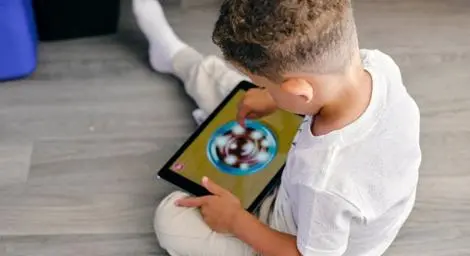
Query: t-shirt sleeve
(324, 221)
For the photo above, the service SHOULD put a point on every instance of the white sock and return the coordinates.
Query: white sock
(164, 43)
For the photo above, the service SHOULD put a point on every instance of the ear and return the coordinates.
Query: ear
(299, 87)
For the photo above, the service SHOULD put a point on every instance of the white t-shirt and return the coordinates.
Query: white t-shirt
(349, 192)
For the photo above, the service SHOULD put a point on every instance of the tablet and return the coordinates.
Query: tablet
(247, 161)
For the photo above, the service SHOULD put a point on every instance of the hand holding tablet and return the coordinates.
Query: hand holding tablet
(245, 160)
(218, 210)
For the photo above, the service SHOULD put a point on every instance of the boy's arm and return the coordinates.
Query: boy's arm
(263, 239)
(323, 222)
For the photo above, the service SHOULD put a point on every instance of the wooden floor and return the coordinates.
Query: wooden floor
(80, 140)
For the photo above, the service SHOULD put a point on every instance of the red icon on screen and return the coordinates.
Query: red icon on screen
(178, 167)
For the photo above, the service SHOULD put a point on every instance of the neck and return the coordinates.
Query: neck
(348, 103)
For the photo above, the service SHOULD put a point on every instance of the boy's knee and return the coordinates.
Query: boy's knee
(165, 221)
(165, 213)
(180, 230)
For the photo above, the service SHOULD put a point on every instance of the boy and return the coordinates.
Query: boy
(351, 175)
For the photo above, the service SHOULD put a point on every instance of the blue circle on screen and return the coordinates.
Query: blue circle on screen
(238, 150)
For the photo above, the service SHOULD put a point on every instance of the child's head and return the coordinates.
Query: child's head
(291, 47)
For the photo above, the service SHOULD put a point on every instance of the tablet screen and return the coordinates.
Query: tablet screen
(241, 159)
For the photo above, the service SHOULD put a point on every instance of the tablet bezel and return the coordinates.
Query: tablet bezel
(196, 189)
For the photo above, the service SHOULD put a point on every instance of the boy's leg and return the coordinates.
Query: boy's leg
(207, 79)
(182, 232)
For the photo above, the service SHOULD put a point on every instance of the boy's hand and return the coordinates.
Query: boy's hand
(255, 104)
(218, 210)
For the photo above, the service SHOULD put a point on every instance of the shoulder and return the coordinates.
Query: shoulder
(399, 104)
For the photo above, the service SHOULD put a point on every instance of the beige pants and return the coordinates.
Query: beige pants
(182, 231)
(208, 80)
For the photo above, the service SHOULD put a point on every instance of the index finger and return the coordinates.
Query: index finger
(191, 202)
(242, 113)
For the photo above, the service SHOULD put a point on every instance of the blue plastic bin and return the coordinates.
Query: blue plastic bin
(18, 39)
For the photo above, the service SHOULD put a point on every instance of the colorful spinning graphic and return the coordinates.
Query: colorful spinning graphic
(239, 150)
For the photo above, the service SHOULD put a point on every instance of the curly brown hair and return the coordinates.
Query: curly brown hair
(273, 37)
